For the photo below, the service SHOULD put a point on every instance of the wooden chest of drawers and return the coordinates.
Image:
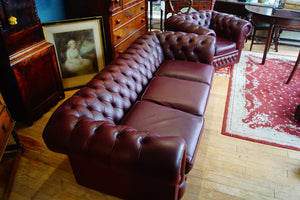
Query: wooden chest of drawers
(124, 21)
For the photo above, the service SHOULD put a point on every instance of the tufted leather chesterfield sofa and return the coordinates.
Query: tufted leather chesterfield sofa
(134, 129)
(230, 32)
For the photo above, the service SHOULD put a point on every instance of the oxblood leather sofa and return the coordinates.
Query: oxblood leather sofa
(134, 129)
(230, 32)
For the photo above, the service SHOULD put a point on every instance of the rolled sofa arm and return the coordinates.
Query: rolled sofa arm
(230, 27)
(125, 148)
(187, 46)
(116, 159)
(147, 168)
(114, 144)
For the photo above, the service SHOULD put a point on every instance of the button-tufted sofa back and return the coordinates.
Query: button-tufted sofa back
(202, 18)
(181, 46)
(120, 83)
(195, 22)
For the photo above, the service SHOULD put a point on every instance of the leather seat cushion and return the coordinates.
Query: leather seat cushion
(188, 96)
(224, 46)
(166, 121)
(187, 70)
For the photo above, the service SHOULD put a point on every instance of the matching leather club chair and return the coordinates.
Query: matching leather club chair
(230, 32)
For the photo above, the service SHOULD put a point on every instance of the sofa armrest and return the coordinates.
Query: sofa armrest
(187, 46)
(122, 161)
(230, 27)
(119, 147)
(137, 152)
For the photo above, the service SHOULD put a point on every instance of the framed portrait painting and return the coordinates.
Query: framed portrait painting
(79, 48)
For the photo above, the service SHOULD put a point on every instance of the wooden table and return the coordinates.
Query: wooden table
(293, 72)
(276, 18)
(237, 7)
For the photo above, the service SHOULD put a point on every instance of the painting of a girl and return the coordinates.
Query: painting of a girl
(75, 63)
(76, 52)
(79, 48)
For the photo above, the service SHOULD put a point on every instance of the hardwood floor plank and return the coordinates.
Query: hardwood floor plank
(227, 178)
(232, 190)
(294, 155)
(196, 192)
(15, 195)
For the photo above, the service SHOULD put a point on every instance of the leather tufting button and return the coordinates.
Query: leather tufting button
(144, 140)
(76, 124)
(114, 105)
(118, 135)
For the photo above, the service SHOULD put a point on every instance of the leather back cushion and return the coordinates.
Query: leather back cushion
(187, 46)
(202, 18)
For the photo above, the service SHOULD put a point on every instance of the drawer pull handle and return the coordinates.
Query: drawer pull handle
(143, 20)
(143, 7)
(120, 52)
(12, 21)
(119, 36)
(118, 21)
(204, 6)
(3, 128)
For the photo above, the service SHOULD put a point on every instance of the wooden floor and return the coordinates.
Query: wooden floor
(225, 167)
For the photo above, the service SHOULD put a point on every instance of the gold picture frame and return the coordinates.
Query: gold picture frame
(80, 48)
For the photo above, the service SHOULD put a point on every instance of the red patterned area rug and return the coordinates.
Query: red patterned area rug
(260, 106)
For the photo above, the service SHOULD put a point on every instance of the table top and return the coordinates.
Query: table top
(249, 2)
(274, 13)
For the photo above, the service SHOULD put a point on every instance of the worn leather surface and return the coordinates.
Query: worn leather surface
(127, 161)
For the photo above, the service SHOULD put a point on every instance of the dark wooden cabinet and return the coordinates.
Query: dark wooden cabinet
(124, 20)
(7, 126)
(10, 153)
(30, 81)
